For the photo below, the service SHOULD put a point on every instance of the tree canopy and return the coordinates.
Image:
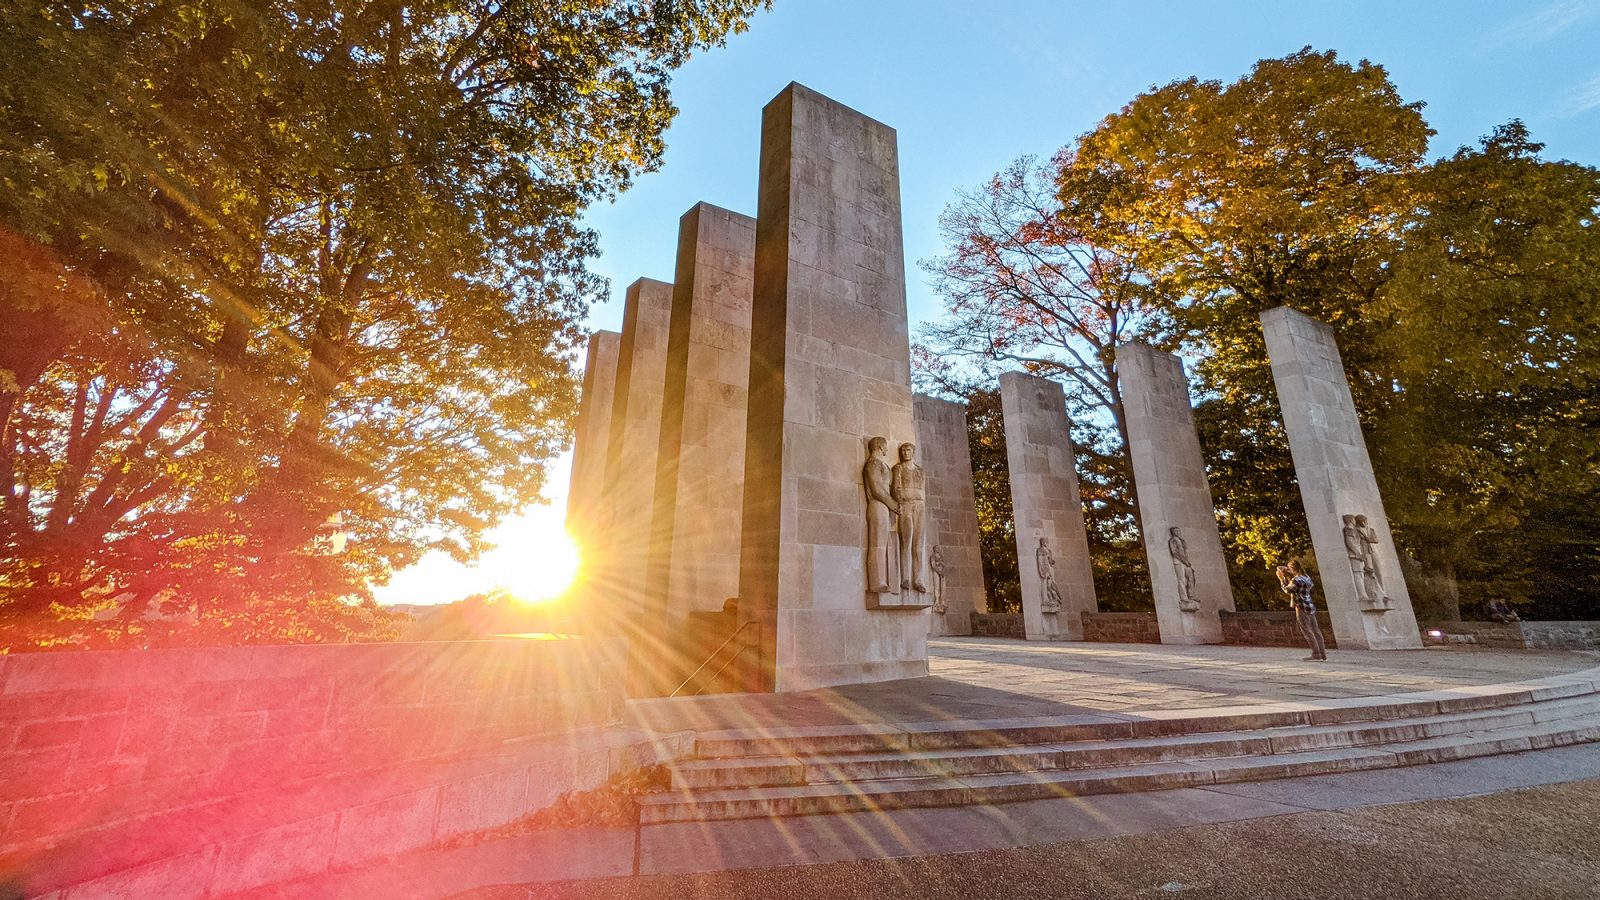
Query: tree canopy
(1461, 293)
(298, 287)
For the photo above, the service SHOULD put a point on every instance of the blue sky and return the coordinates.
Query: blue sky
(971, 86)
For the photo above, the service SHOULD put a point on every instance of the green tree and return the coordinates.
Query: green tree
(1285, 187)
(1491, 340)
(324, 275)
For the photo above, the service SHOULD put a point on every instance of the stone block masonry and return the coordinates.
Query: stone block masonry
(699, 493)
(207, 771)
(1183, 549)
(952, 514)
(1052, 542)
(619, 581)
(586, 492)
(829, 370)
(1125, 628)
(1367, 598)
(1271, 628)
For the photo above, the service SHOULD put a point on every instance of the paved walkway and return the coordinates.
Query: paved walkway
(1329, 836)
(986, 678)
(1532, 844)
(975, 679)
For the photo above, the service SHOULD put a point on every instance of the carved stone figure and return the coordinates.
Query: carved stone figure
(875, 475)
(1374, 577)
(938, 565)
(1355, 549)
(1183, 569)
(1050, 602)
(908, 486)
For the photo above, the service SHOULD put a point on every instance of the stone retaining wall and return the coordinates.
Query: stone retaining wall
(204, 771)
(1121, 627)
(1270, 628)
(1007, 625)
(1523, 635)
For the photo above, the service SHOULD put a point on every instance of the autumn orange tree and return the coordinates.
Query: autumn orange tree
(1455, 290)
(296, 271)
(1025, 288)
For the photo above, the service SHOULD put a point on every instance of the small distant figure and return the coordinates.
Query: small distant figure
(1297, 584)
(939, 567)
(1501, 611)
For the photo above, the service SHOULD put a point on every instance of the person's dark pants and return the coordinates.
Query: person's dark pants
(1311, 630)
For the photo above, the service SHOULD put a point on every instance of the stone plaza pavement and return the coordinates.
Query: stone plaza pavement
(978, 679)
(990, 678)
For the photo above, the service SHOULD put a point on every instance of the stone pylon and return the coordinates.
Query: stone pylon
(586, 491)
(1188, 572)
(952, 515)
(1360, 570)
(699, 492)
(1052, 542)
(619, 580)
(829, 370)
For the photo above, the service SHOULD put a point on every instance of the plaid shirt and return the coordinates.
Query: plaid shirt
(1300, 590)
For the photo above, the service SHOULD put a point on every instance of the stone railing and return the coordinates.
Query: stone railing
(219, 770)
(1270, 628)
(1121, 627)
(1521, 635)
(1007, 625)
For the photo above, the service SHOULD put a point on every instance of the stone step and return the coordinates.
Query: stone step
(868, 795)
(879, 765)
(803, 741)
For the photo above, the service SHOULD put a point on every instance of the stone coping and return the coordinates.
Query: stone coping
(978, 679)
(917, 735)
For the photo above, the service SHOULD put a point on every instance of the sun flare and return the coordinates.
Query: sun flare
(534, 560)
(543, 570)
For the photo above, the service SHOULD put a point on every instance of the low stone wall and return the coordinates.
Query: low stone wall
(204, 771)
(1008, 625)
(1561, 635)
(1522, 635)
(1121, 627)
(1270, 628)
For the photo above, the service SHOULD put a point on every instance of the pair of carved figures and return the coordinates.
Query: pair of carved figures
(900, 492)
(1361, 547)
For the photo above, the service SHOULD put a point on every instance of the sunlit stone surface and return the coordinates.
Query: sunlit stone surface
(586, 489)
(1188, 572)
(1335, 474)
(952, 513)
(694, 561)
(1046, 504)
(829, 369)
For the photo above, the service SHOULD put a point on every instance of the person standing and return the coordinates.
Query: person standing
(1297, 584)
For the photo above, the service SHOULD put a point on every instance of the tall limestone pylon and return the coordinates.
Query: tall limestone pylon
(1052, 542)
(1188, 572)
(699, 491)
(953, 549)
(829, 370)
(1367, 598)
(619, 579)
(586, 491)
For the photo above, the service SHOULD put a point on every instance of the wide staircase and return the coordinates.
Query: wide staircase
(778, 771)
